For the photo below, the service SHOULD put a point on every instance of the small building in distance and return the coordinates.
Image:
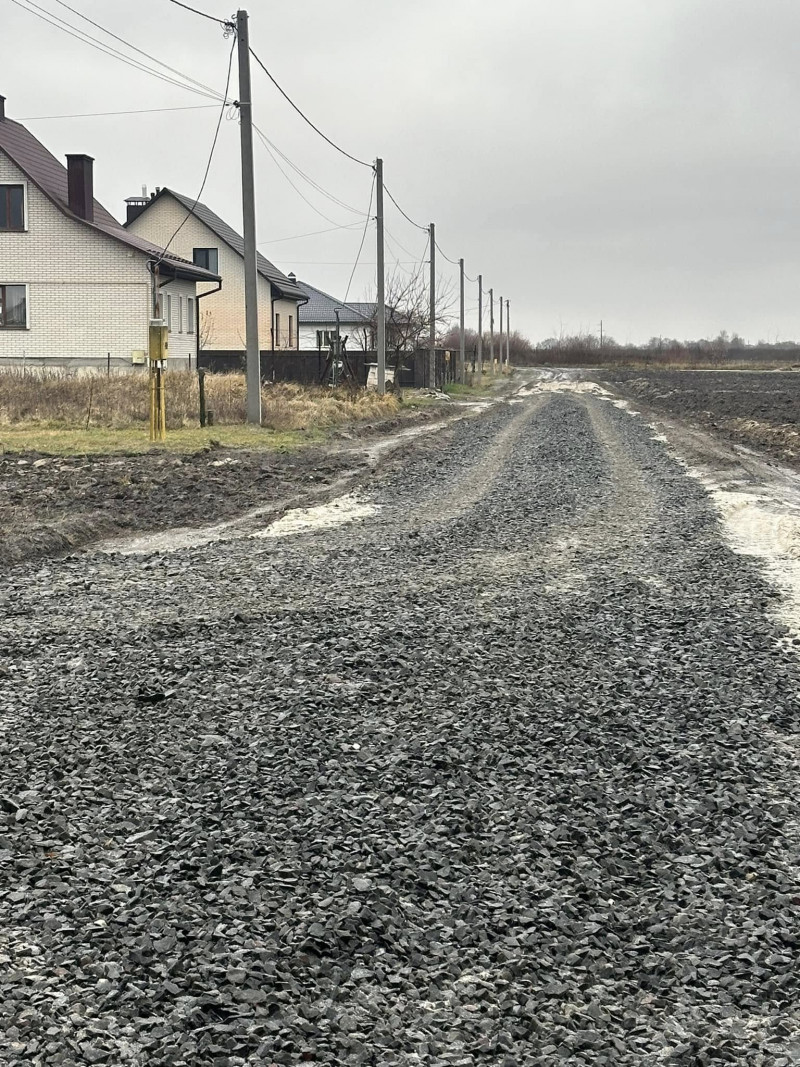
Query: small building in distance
(76, 288)
(209, 242)
(318, 320)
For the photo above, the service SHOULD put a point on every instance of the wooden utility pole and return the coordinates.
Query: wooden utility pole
(381, 283)
(491, 332)
(480, 329)
(432, 341)
(249, 225)
(462, 341)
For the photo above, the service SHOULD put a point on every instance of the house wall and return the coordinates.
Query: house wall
(353, 331)
(182, 343)
(222, 313)
(87, 295)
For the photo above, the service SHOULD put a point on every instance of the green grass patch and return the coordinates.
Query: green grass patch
(100, 440)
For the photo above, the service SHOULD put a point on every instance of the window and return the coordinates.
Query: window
(12, 207)
(325, 338)
(207, 258)
(291, 331)
(277, 331)
(180, 314)
(190, 314)
(13, 306)
(168, 312)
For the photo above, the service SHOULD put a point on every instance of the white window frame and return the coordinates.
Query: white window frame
(191, 313)
(24, 229)
(180, 314)
(27, 289)
(168, 311)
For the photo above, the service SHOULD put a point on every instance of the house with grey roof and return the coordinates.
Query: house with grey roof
(76, 288)
(318, 319)
(210, 243)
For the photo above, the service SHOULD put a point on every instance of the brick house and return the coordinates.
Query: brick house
(210, 242)
(75, 286)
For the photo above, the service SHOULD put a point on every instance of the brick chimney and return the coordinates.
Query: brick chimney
(2, 108)
(80, 183)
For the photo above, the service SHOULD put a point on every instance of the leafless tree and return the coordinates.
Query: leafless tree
(206, 328)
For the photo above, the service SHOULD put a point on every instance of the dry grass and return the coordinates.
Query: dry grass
(66, 401)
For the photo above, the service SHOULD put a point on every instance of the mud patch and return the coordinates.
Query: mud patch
(338, 512)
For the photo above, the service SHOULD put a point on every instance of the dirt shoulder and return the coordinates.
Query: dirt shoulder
(52, 504)
(760, 410)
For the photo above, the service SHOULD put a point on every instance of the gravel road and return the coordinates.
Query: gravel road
(498, 773)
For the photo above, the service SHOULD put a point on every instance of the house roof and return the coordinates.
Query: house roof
(47, 174)
(321, 308)
(288, 289)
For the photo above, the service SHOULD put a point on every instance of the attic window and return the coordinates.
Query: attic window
(207, 258)
(12, 207)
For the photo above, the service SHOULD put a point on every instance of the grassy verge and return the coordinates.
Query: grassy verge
(66, 441)
(91, 413)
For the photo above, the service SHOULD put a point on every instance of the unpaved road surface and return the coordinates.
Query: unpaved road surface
(496, 767)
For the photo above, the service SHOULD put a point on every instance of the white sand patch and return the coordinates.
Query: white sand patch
(338, 512)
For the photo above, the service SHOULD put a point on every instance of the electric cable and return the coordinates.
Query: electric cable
(103, 114)
(363, 237)
(204, 14)
(210, 154)
(405, 216)
(314, 184)
(299, 192)
(133, 47)
(85, 38)
(305, 117)
(314, 233)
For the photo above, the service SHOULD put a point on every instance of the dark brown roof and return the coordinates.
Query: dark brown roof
(44, 170)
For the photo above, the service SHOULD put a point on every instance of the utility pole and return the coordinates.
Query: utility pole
(480, 329)
(249, 218)
(381, 283)
(500, 353)
(432, 342)
(508, 335)
(491, 332)
(462, 341)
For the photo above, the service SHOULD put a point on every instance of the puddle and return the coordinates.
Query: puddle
(338, 512)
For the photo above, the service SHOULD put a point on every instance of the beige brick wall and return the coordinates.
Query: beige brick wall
(222, 313)
(87, 294)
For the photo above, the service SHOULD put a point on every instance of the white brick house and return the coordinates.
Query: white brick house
(75, 287)
(206, 239)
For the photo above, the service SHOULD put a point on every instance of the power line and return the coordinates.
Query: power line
(210, 154)
(363, 237)
(204, 14)
(314, 233)
(86, 38)
(299, 192)
(407, 217)
(314, 184)
(133, 47)
(305, 117)
(449, 260)
(103, 114)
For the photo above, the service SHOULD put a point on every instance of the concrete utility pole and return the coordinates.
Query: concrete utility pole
(480, 329)
(381, 283)
(502, 337)
(508, 335)
(491, 332)
(249, 218)
(432, 342)
(462, 341)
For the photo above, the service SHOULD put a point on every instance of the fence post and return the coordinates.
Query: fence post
(201, 381)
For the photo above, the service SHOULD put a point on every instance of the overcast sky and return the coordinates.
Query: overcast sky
(636, 161)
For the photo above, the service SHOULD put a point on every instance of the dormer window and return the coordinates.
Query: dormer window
(12, 207)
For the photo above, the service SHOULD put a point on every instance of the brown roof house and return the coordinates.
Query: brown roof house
(75, 286)
(209, 241)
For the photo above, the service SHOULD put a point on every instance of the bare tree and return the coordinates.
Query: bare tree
(206, 328)
(408, 314)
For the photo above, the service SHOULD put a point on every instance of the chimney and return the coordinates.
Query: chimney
(135, 206)
(2, 108)
(80, 184)
(292, 276)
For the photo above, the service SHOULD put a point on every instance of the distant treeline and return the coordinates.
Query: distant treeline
(585, 350)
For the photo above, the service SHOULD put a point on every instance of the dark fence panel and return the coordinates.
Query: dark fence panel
(307, 368)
